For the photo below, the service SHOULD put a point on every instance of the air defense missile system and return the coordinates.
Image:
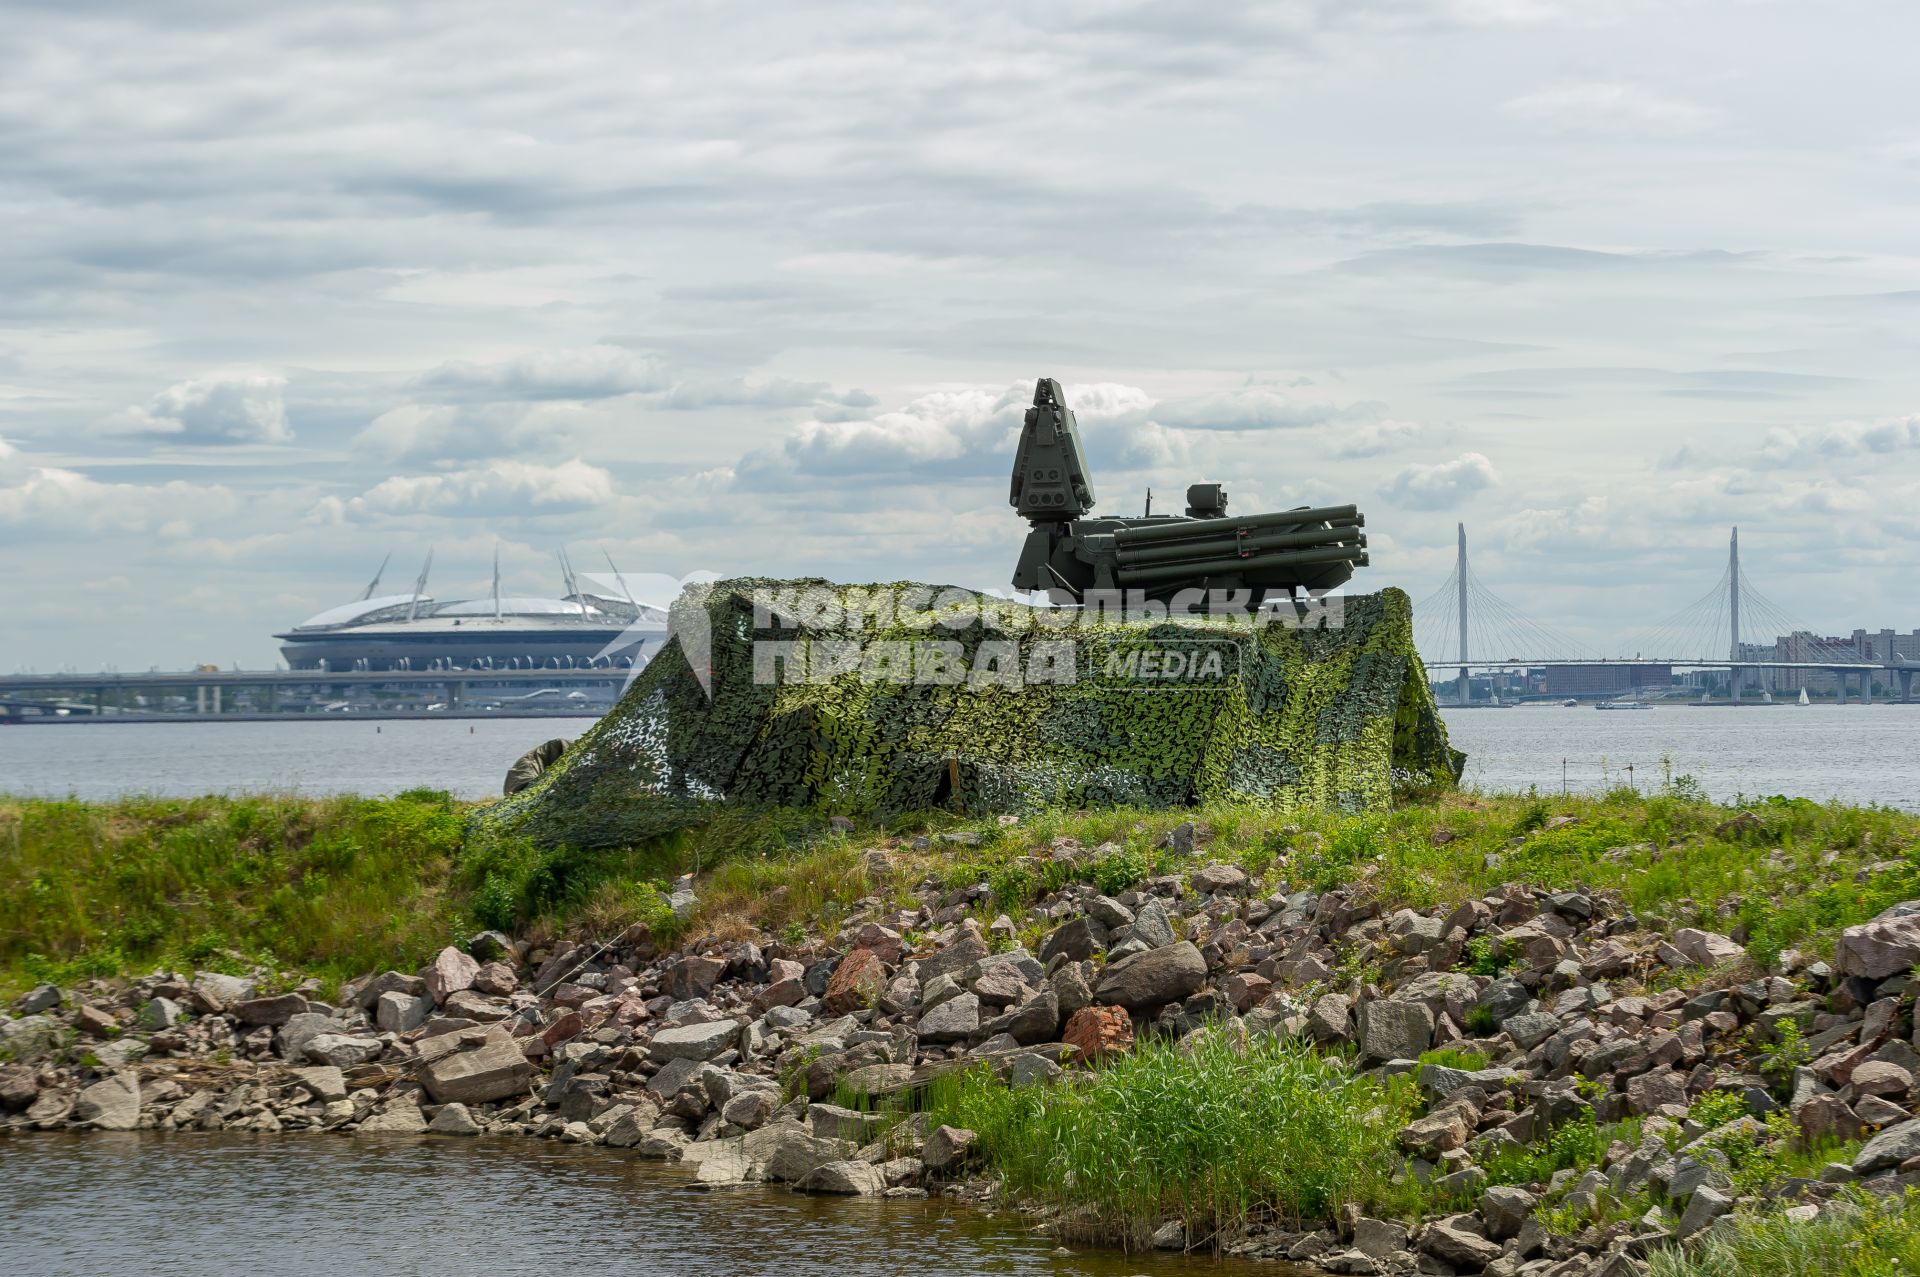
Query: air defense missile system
(1070, 553)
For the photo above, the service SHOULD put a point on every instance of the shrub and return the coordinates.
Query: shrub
(1853, 1237)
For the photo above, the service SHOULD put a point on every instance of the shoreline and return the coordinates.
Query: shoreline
(1504, 1052)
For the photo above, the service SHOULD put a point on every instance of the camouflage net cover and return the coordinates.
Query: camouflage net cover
(1314, 715)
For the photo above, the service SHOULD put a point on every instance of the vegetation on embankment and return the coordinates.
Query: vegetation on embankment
(338, 886)
(1863, 1237)
(1208, 1131)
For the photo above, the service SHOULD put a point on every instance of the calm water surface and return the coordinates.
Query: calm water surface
(1857, 753)
(108, 1205)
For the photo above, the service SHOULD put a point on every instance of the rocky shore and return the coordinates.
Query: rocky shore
(798, 1059)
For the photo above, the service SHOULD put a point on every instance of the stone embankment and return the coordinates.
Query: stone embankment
(772, 1061)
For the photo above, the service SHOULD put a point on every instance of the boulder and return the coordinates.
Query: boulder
(1079, 940)
(1457, 1240)
(1034, 1021)
(694, 1041)
(453, 1119)
(1099, 1032)
(857, 982)
(448, 973)
(1505, 1209)
(112, 1104)
(1706, 948)
(18, 1086)
(692, 978)
(399, 1118)
(1706, 1205)
(1889, 1148)
(947, 1148)
(1154, 977)
(952, 1020)
(1391, 1030)
(40, 998)
(291, 1041)
(474, 1067)
(369, 993)
(1885, 946)
(212, 992)
(275, 1011)
(853, 1179)
(956, 957)
(343, 1050)
(401, 1012)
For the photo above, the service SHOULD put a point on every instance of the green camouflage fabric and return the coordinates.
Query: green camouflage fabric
(805, 710)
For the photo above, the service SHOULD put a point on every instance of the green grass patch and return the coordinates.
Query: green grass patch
(1856, 1236)
(1203, 1131)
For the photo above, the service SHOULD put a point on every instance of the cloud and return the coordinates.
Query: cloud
(55, 501)
(504, 488)
(1839, 441)
(593, 372)
(928, 434)
(1254, 408)
(417, 431)
(1613, 109)
(1443, 485)
(220, 408)
(1375, 438)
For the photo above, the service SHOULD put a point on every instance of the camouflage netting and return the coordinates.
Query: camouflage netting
(1020, 716)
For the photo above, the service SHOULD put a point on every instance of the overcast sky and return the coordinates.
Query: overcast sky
(762, 289)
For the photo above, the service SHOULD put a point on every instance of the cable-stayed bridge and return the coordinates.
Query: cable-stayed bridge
(1464, 626)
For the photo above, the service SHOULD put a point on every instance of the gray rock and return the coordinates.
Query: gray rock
(387, 982)
(1379, 1238)
(952, 1020)
(1391, 1030)
(448, 973)
(947, 1148)
(1531, 1028)
(1109, 913)
(1505, 998)
(1028, 1069)
(1231, 879)
(399, 1118)
(474, 1067)
(1889, 1148)
(214, 992)
(1152, 978)
(398, 1012)
(112, 1104)
(1457, 1240)
(1505, 1209)
(274, 1011)
(322, 1081)
(956, 957)
(343, 1050)
(1330, 1019)
(1706, 1205)
(1888, 945)
(748, 1110)
(830, 1121)
(1151, 926)
(1079, 940)
(291, 1041)
(159, 1014)
(694, 1041)
(453, 1119)
(43, 997)
(852, 1179)
(29, 1036)
(1033, 1021)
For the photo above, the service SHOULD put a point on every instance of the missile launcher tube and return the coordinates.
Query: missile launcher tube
(1236, 566)
(1188, 528)
(1214, 547)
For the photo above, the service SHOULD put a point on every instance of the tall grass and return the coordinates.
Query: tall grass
(335, 884)
(1855, 1237)
(1205, 1131)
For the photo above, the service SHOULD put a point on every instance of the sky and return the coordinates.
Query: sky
(763, 290)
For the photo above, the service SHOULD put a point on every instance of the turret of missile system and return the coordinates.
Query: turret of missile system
(1069, 553)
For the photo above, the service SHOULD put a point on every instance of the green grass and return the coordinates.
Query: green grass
(336, 884)
(346, 884)
(1855, 1237)
(1202, 1131)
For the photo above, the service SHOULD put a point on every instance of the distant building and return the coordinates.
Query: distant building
(1626, 676)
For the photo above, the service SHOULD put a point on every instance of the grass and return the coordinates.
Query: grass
(1205, 1131)
(1854, 1237)
(345, 884)
(336, 884)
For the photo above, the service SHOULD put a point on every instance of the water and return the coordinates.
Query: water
(468, 759)
(1857, 753)
(211, 1205)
